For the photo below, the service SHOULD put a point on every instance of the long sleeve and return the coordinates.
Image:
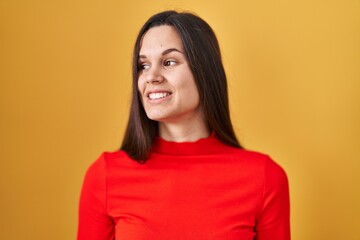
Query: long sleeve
(94, 222)
(274, 217)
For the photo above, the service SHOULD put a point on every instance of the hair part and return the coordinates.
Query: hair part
(204, 58)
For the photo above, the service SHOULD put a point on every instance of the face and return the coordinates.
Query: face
(166, 84)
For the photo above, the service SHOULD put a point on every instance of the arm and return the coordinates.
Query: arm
(273, 220)
(94, 222)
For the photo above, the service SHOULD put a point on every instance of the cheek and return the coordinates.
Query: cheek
(140, 85)
(192, 89)
(141, 89)
(195, 97)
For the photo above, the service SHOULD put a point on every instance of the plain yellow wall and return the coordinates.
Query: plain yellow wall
(294, 78)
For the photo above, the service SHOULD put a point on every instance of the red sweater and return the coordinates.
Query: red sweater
(203, 190)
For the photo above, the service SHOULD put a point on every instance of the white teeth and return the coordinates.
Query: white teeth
(158, 95)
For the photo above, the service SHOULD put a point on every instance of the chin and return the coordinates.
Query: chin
(156, 117)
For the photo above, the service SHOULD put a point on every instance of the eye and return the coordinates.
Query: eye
(143, 66)
(169, 63)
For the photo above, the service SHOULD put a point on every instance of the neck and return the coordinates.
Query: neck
(183, 132)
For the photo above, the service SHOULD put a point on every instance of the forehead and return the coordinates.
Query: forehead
(160, 38)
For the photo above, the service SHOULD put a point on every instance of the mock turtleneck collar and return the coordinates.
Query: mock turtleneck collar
(202, 146)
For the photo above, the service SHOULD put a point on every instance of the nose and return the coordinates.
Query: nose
(154, 75)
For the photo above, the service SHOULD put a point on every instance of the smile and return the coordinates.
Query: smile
(158, 95)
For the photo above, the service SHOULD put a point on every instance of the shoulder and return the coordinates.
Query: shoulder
(269, 165)
(106, 160)
(249, 156)
(268, 171)
(102, 161)
(257, 162)
(109, 157)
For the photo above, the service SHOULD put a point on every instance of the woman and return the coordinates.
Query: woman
(181, 173)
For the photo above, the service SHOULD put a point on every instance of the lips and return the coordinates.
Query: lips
(154, 96)
(158, 94)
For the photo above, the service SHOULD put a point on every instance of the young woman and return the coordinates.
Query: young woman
(181, 173)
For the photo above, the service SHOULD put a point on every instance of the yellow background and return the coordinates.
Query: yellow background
(294, 78)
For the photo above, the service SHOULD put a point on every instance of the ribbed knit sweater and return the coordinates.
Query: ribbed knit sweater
(203, 190)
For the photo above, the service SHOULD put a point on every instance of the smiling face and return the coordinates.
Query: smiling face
(166, 84)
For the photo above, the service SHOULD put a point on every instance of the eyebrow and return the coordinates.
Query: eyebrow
(167, 51)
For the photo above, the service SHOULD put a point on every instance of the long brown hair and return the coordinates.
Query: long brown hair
(203, 55)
